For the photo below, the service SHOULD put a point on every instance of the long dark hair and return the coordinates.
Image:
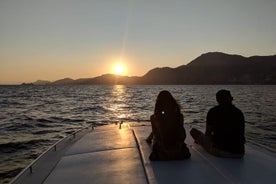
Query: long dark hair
(166, 104)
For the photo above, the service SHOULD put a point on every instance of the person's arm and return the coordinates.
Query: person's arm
(208, 129)
(154, 124)
(181, 120)
(243, 127)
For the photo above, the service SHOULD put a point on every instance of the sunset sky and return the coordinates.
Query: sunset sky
(54, 39)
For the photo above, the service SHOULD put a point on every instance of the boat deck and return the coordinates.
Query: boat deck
(112, 155)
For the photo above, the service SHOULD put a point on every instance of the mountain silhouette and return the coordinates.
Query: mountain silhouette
(41, 82)
(65, 81)
(209, 68)
(218, 68)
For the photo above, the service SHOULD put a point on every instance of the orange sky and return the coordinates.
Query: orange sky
(51, 40)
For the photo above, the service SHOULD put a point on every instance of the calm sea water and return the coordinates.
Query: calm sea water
(34, 117)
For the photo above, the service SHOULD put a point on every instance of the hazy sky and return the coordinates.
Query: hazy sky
(54, 39)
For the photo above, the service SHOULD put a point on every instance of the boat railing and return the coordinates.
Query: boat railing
(63, 143)
(59, 145)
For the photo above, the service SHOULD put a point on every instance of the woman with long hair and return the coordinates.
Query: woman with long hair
(168, 133)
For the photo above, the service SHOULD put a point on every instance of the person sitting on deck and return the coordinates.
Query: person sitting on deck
(224, 134)
(168, 133)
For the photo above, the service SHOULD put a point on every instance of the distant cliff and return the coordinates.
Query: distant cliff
(218, 68)
(41, 82)
(209, 68)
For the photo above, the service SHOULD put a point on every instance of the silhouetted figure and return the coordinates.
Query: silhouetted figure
(168, 133)
(224, 134)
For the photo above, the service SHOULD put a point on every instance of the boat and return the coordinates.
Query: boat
(118, 153)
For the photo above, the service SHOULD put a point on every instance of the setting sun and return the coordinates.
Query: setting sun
(119, 69)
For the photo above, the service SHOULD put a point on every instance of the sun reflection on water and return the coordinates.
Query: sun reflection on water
(118, 102)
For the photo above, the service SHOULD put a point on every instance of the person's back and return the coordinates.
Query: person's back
(169, 131)
(224, 135)
(227, 124)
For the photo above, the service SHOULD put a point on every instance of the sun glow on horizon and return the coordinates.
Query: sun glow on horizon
(119, 69)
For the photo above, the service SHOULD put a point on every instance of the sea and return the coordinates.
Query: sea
(32, 118)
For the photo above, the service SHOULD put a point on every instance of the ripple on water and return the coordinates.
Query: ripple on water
(45, 114)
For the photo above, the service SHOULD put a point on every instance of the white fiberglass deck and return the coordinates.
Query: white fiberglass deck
(255, 167)
(112, 155)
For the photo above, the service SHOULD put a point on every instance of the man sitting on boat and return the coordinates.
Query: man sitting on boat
(224, 134)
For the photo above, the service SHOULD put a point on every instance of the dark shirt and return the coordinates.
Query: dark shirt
(168, 131)
(168, 138)
(226, 123)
